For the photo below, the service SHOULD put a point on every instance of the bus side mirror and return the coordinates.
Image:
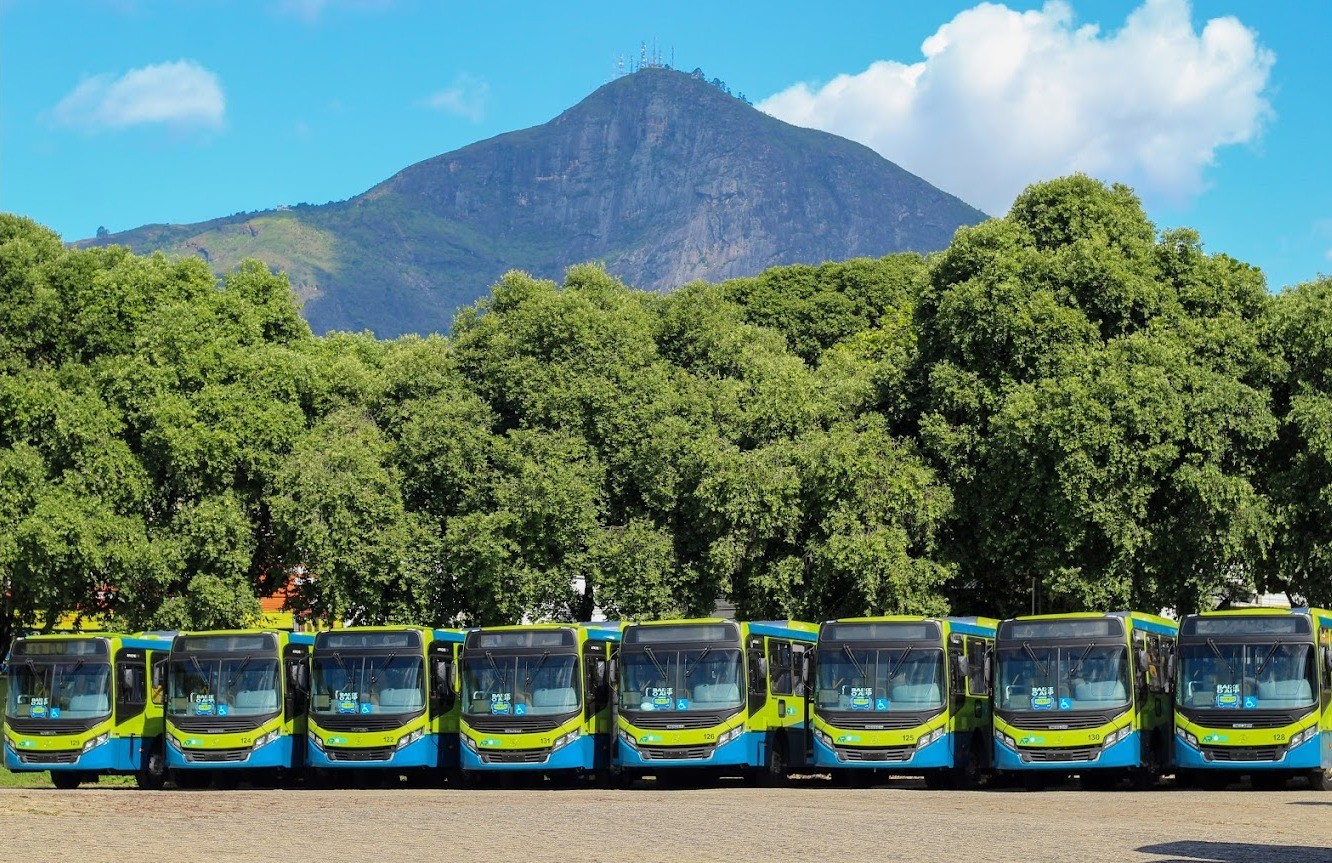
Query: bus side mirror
(598, 670)
(989, 672)
(126, 678)
(158, 682)
(1327, 658)
(807, 670)
(963, 667)
(1170, 672)
(297, 677)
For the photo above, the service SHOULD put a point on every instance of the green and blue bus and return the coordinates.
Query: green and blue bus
(710, 694)
(1085, 694)
(903, 694)
(236, 704)
(384, 698)
(1253, 695)
(535, 698)
(82, 705)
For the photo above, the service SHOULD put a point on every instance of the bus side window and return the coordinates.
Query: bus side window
(798, 652)
(131, 684)
(779, 667)
(976, 651)
(159, 680)
(958, 685)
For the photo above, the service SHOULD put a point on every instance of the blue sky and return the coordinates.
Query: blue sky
(118, 113)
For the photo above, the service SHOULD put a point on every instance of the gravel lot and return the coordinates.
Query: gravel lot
(810, 823)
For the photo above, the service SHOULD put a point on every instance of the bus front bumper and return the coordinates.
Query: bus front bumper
(1276, 756)
(121, 754)
(744, 750)
(422, 752)
(933, 755)
(577, 754)
(1125, 752)
(277, 753)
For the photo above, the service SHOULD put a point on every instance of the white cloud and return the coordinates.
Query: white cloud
(181, 94)
(1005, 98)
(466, 98)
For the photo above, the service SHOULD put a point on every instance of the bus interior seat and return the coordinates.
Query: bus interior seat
(89, 703)
(722, 693)
(553, 700)
(917, 693)
(256, 699)
(405, 698)
(1101, 690)
(1285, 693)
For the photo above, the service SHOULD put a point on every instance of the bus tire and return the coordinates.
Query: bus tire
(66, 780)
(1321, 779)
(152, 775)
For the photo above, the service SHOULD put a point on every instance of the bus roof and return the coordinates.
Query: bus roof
(982, 626)
(1136, 619)
(797, 629)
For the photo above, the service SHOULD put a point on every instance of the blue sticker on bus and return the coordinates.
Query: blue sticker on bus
(880, 704)
(1042, 697)
(1250, 702)
(520, 709)
(1228, 695)
(1065, 704)
(223, 709)
(55, 712)
(366, 707)
(682, 704)
(37, 708)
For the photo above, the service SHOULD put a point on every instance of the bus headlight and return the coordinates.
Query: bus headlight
(468, 742)
(96, 741)
(317, 742)
(1302, 737)
(1005, 739)
(267, 738)
(927, 739)
(824, 738)
(565, 739)
(727, 736)
(1115, 736)
(628, 740)
(1186, 736)
(173, 742)
(408, 739)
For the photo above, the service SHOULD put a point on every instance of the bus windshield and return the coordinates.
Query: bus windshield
(58, 688)
(1077, 677)
(880, 679)
(240, 685)
(368, 684)
(525, 684)
(679, 679)
(1246, 676)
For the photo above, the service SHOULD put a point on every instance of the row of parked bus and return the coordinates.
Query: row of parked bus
(1111, 698)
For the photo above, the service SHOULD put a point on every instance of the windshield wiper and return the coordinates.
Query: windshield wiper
(1077, 666)
(898, 664)
(661, 669)
(244, 662)
(345, 669)
(1267, 659)
(531, 672)
(1042, 667)
(689, 669)
(1217, 651)
(860, 670)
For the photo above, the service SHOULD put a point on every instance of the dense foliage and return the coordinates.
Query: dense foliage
(1064, 402)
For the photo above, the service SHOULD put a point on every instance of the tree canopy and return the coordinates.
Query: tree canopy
(1066, 401)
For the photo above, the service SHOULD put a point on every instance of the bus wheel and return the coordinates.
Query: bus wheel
(66, 779)
(152, 775)
(1321, 780)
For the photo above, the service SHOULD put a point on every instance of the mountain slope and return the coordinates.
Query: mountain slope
(660, 175)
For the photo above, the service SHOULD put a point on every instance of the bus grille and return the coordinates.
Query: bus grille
(361, 723)
(216, 756)
(1223, 718)
(380, 754)
(668, 721)
(1243, 753)
(877, 754)
(1049, 722)
(515, 756)
(68, 757)
(1073, 753)
(880, 722)
(516, 724)
(669, 753)
(51, 727)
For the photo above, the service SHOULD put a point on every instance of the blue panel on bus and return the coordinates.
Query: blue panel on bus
(779, 630)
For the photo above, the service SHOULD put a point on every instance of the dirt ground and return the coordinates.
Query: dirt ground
(797, 825)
